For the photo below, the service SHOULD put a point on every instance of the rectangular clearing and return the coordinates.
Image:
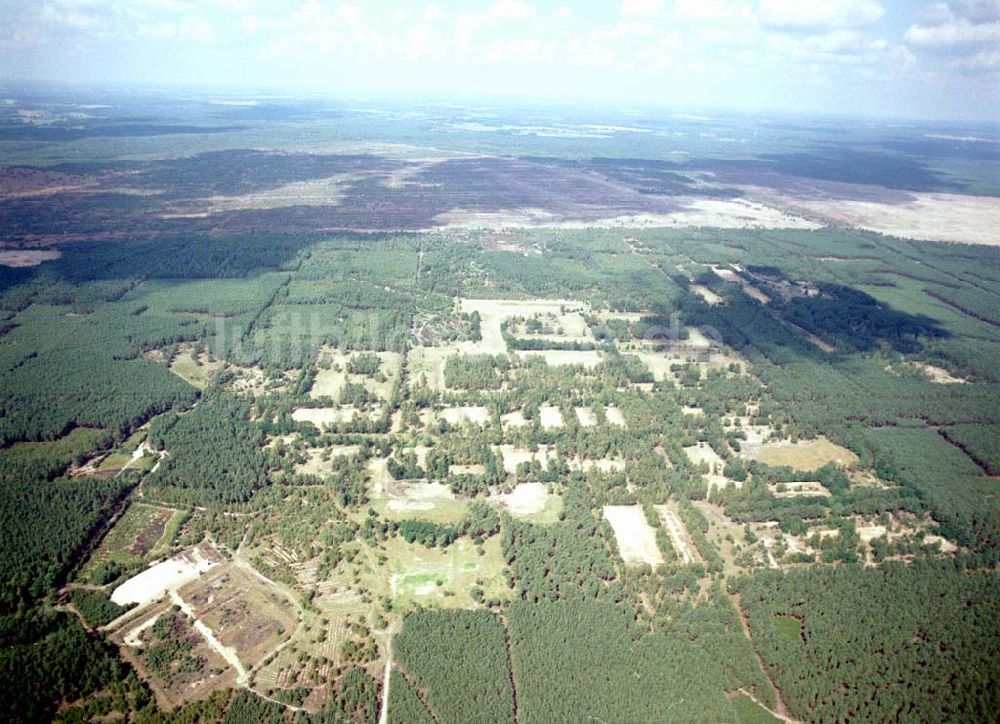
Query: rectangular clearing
(636, 540)
(550, 417)
(809, 455)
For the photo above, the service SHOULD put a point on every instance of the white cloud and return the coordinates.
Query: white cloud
(188, 28)
(977, 11)
(641, 8)
(250, 24)
(715, 11)
(511, 10)
(956, 34)
(806, 14)
(433, 13)
(984, 60)
(350, 14)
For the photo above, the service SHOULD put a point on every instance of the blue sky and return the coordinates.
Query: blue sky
(868, 57)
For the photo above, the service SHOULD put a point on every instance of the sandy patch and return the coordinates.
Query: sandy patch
(586, 416)
(474, 469)
(418, 496)
(727, 214)
(320, 416)
(809, 455)
(328, 383)
(930, 216)
(658, 365)
(588, 358)
(526, 499)
(326, 191)
(604, 465)
(946, 545)
(710, 297)
(514, 456)
(636, 539)
(171, 574)
(26, 257)
(703, 453)
(513, 419)
(133, 637)
(939, 375)
(550, 417)
(462, 415)
(614, 416)
(688, 410)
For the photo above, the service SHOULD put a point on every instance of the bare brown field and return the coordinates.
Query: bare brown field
(243, 613)
(26, 257)
(213, 674)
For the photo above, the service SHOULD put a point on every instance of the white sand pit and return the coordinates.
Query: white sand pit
(418, 496)
(614, 416)
(586, 416)
(462, 415)
(169, 575)
(526, 499)
(636, 539)
(514, 456)
(557, 357)
(550, 417)
(939, 375)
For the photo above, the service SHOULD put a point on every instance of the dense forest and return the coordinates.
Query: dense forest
(914, 642)
(209, 354)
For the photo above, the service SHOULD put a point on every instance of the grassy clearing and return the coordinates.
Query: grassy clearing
(444, 578)
(195, 372)
(750, 712)
(808, 455)
(533, 503)
(132, 540)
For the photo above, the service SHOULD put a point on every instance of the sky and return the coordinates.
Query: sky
(898, 58)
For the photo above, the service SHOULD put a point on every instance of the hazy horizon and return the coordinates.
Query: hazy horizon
(855, 58)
